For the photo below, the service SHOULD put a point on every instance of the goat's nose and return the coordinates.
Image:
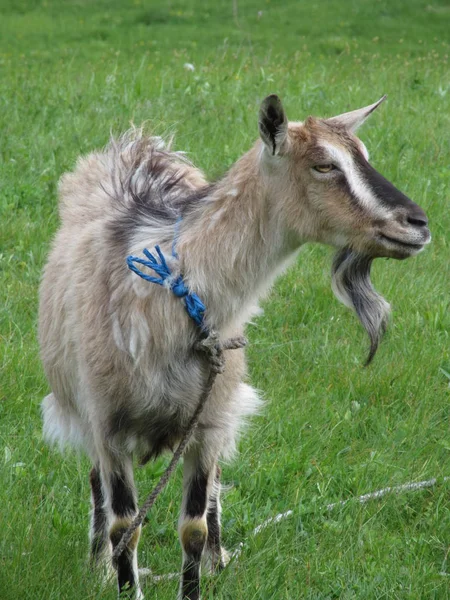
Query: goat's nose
(417, 218)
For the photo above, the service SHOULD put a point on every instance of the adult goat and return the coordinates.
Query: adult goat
(119, 352)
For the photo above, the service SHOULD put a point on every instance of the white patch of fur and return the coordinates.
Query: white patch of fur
(249, 400)
(61, 427)
(246, 403)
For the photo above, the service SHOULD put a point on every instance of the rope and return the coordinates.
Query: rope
(411, 486)
(175, 283)
(364, 499)
(214, 350)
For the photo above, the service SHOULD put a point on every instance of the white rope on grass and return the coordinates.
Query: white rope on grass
(395, 489)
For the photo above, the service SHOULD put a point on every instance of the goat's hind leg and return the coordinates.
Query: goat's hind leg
(216, 557)
(193, 526)
(100, 546)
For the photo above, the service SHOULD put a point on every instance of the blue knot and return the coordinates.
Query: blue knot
(179, 288)
(192, 303)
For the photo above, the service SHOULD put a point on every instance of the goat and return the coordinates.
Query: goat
(119, 352)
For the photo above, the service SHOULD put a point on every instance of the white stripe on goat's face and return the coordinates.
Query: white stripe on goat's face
(359, 187)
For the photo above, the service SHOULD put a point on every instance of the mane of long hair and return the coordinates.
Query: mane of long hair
(352, 286)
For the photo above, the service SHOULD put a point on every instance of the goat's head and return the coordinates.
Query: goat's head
(320, 173)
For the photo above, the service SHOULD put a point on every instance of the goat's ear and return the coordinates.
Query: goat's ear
(352, 120)
(273, 123)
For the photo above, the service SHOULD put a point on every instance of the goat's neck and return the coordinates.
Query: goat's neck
(235, 245)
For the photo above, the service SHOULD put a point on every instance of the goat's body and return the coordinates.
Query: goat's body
(119, 353)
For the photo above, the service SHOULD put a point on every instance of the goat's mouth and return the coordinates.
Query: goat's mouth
(401, 248)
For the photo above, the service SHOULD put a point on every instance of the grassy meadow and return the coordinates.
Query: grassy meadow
(73, 71)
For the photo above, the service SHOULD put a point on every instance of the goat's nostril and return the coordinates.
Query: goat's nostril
(418, 221)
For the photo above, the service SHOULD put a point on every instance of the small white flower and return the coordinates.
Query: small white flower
(355, 406)
(189, 67)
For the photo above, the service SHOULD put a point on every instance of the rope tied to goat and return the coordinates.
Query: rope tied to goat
(209, 344)
(175, 283)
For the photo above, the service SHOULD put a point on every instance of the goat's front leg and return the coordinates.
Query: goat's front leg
(193, 525)
(118, 483)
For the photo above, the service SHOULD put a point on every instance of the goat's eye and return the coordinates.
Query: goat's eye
(324, 168)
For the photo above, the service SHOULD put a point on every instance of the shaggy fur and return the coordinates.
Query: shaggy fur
(118, 351)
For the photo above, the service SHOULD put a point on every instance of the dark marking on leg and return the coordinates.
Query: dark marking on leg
(124, 564)
(191, 580)
(123, 505)
(123, 502)
(194, 533)
(99, 520)
(196, 497)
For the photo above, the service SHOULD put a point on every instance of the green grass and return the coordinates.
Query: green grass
(70, 72)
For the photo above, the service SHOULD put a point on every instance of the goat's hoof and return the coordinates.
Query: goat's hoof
(135, 594)
(224, 559)
(213, 563)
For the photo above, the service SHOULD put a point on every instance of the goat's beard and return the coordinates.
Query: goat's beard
(352, 286)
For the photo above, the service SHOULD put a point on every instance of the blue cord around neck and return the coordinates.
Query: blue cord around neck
(192, 303)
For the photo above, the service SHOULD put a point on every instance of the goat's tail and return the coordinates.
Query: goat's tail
(124, 171)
